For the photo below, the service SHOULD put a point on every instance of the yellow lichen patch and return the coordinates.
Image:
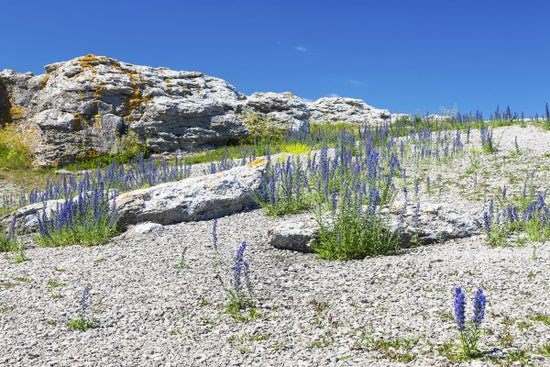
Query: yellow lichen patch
(77, 122)
(97, 121)
(257, 162)
(115, 64)
(89, 61)
(99, 91)
(15, 112)
(135, 101)
(44, 80)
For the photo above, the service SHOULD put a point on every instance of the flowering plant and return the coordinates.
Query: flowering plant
(469, 333)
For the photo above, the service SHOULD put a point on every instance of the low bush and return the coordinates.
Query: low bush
(354, 230)
(87, 220)
(14, 153)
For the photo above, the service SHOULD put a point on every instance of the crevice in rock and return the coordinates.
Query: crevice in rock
(5, 104)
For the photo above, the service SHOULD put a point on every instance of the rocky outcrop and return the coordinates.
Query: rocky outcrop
(280, 110)
(95, 105)
(425, 224)
(349, 110)
(192, 199)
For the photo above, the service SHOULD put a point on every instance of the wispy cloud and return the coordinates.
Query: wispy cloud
(356, 82)
(333, 95)
(301, 48)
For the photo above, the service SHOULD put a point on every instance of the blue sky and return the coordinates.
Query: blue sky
(407, 56)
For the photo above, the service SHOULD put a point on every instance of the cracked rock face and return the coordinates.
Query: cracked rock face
(280, 109)
(94, 105)
(89, 105)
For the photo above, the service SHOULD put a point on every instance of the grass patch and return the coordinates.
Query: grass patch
(86, 221)
(80, 234)
(81, 324)
(7, 242)
(541, 317)
(14, 152)
(354, 233)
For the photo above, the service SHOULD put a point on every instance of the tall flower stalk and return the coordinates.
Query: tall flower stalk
(240, 293)
(469, 332)
(83, 322)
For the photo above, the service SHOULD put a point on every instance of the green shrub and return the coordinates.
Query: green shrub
(14, 152)
(354, 232)
(81, 324)
(7, 242)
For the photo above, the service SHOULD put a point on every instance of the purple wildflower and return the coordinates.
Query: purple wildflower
(487, 222)
(84, 302)
(479, 307)
(460, 308)
(238, 268)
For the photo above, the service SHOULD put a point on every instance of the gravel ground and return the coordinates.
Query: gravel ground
(377, 311)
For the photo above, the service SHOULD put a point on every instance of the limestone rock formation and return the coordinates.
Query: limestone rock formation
(350, 110)
(281, 110)
(297, 234)
(95, 105)
(192, 199)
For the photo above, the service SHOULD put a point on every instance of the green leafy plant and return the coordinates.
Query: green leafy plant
(354, 232)
(14, 152)
(7, 242)
(181, 263)
(21, 257)
(296, 148)
(83, 322)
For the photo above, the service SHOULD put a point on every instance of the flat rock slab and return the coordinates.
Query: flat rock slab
(431, 222)
(428, 224)
(192, 199)
(141, 229)
(296, 233)
(27, 216)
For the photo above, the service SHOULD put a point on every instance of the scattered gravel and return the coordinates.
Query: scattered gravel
(308, 311)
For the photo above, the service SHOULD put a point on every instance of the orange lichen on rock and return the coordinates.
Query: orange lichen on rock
(15, 112)
(88, 62)
(44, 80)
(99, 91)
(257, 162)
